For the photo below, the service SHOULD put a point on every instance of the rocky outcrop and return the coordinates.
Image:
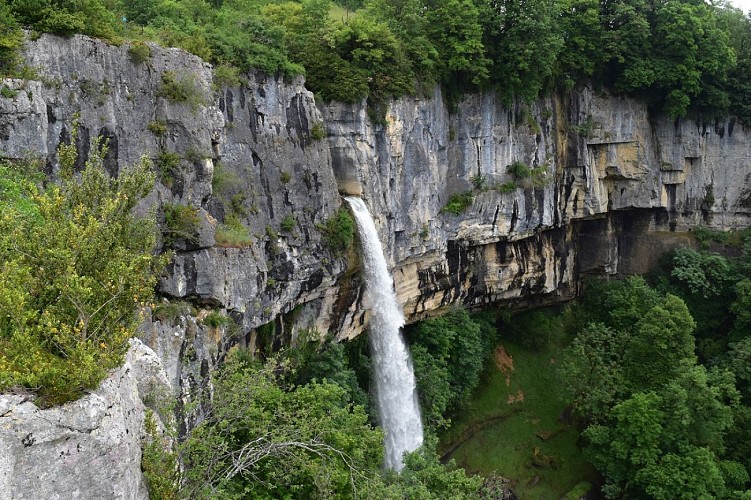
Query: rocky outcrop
(90, 448)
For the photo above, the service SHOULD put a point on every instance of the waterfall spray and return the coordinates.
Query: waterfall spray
(396, 393)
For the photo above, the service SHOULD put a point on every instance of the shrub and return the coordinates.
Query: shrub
(222, 179)
(478, 181)
(216, 319)
(158, 128)
(507, 187)
(285, 177)
(170, 312)
(168, 165)
(458, 203)
(227, 76)
(232, 233)
(184, 89)
(288, 223)
(181, 223)
(76, 264)
(139, 52)
(338, 231)
(318, 132)
(519, 170)
(159, 465)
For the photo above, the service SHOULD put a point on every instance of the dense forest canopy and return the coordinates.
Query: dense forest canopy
(682, 56)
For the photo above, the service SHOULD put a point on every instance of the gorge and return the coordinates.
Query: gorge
(609, 186)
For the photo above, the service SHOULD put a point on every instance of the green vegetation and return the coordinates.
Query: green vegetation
(338, 231)
(181, 222)
(288, 223)
(318, 132)
(170, 312)
(139, 52)
(183, 89)
(377, 49)
(654, 417)
(267, 434)
(76, 265)
(216, 319)
(8, 93)
(158, 128)
(507, 187)
(285, 177)
(525, 176)
(227, 76)
(513, 426)
(232, 233)
(458, 203)
(158, 463)
(448, 354)
(168, 167)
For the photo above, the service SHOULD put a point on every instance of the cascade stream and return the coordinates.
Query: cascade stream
(396, 392)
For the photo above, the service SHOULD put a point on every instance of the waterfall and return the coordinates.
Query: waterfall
(396, 392)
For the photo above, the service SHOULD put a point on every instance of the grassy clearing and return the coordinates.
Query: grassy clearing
(339, 13)
(502, 430)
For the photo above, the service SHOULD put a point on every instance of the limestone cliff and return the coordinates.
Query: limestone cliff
(604, 180)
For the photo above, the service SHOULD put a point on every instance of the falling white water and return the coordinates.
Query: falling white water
(396, 393)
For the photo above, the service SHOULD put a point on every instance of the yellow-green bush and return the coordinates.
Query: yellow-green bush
(75, 266)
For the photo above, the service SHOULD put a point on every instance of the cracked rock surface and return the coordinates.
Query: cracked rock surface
(89, 448)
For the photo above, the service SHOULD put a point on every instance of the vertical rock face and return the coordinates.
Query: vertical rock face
(590, 158)
(250, 154)
(598, 185)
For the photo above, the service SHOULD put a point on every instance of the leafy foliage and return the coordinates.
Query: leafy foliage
(458, 203)
(657, 420)
(681, 56)
(448, 353)
(339, 231)
(267, 437)
(76, 266)
(181, 223)
(233, 233)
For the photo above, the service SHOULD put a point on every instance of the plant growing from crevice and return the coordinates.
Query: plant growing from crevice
(139, 52)
(182, 89)
(288, 223)
(458, 203)
(168, 167)
(338, 231)
(157, 127)
(318, 132)
(171, 311)
(181, 223)
(216, 319)
(232, 233)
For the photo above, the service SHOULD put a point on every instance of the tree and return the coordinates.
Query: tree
(448, 353)
(11, 39)
(662, 345)
(592, 371)
(523, 40)
(267, 439)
